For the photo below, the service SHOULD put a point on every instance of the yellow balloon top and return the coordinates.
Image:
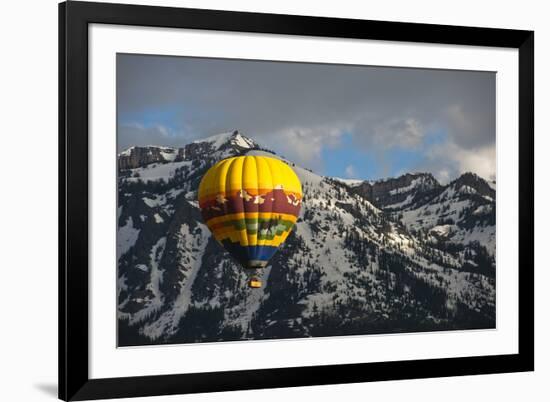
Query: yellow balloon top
(253, 173)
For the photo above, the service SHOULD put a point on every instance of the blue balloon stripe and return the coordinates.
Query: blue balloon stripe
(245, 254)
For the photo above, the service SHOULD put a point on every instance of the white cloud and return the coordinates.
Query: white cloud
(405, 133)
(408, 133)
(458, 160)
(443, 175)
(305, 144)
(350, 172)
(131, 134)
(481, 161)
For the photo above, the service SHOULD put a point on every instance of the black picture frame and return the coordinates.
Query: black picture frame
(74, 381)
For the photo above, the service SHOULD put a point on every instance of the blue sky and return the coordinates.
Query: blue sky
(166, 116)
(346, 121)
(348, 161)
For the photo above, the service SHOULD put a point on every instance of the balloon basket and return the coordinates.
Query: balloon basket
(254, 280)
(255, 283)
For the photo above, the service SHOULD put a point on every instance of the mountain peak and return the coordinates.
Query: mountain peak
(232, 138)
(474, 182)
(410, 176)
(223, 145)
(469, 176)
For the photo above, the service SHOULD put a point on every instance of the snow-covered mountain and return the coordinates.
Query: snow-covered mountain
(403, 254)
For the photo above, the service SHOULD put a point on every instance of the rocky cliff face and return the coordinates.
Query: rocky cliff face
(401, 192)
(141, 156)
(405, 254)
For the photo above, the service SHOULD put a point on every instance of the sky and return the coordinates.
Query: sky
(359, 122)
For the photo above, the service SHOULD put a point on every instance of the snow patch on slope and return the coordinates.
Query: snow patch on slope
(127, 236)
(188, 243)
(349, 182)
(156, 171)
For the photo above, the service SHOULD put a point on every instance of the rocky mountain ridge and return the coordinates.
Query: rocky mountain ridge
(401, 192)
(404, 254)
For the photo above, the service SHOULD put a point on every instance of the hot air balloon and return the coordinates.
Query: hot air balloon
(250, 203)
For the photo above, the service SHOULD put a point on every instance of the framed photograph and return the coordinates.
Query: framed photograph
(258, 201)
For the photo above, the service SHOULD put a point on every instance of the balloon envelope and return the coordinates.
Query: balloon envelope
(250, 203)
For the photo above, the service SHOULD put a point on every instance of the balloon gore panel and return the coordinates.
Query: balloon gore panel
(250, 203)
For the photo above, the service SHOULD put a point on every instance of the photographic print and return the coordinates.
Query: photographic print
(274, 200)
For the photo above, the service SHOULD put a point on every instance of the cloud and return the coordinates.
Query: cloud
(466, 123)
(481, 160)
(302, 110)
(401, 133)
(305, 144)
(449, 160)
(131, 134)
(350, 172)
